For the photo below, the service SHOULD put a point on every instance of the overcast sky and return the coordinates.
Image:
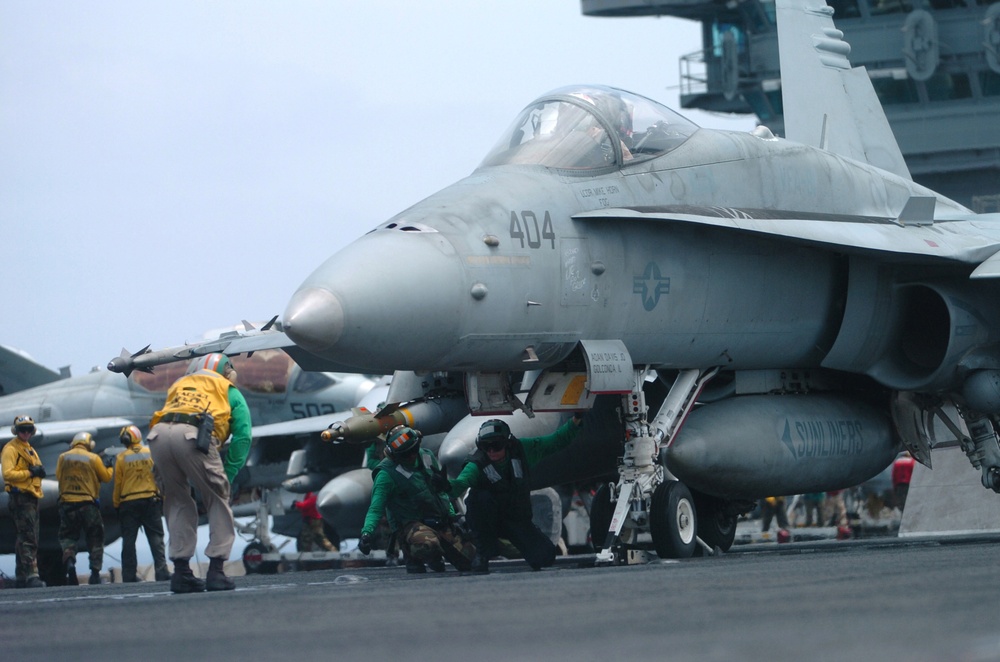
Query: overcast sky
(172, 167)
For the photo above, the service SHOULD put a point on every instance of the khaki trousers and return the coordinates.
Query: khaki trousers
(180, 465)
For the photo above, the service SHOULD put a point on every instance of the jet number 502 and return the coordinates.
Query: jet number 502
(525, 229)
(310, 409)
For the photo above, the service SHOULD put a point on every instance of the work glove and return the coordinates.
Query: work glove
(37, 471)
(439, 481)
(365, 544)
(108, 460)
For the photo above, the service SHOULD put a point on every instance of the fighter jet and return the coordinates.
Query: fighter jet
(102, 402)
(806, 307)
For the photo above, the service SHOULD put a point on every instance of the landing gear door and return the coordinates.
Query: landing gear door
(609, 366)
(608, 369)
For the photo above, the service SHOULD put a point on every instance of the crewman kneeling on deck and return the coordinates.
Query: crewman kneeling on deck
(411, 487)
(499, 501)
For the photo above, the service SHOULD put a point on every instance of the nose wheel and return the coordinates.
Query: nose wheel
(672, 521)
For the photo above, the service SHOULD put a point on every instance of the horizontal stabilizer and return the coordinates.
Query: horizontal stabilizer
(19, 372)
(990, 268)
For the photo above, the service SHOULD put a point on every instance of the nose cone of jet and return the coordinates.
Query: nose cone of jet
(314, 319)
(389, 301)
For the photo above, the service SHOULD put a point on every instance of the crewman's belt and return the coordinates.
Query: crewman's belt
(190, 419)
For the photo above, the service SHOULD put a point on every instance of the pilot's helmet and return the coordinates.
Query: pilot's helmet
(83, 439)
(494, 433)
(401, 440)
(214, 362)
(23, 424)
(130, 436)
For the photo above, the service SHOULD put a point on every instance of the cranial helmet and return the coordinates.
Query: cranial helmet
(214, 362)
(23, 424)
(83, 439)
(401, 440)
(130, 435)
(493, 432)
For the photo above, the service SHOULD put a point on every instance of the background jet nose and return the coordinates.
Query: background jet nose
(314, 319)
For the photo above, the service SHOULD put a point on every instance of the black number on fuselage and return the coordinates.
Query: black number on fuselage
(525, 229)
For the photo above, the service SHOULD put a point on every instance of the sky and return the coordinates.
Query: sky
(167, 168)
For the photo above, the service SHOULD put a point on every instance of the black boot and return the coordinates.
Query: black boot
(71, 578)
(95, 577)
(183, 580)
(480, 564)
(34, 582)
(415, 567)
(216, 579)
(436, 564)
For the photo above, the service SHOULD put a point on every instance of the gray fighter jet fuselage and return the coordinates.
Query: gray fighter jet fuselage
(806, 306)
(809, 304)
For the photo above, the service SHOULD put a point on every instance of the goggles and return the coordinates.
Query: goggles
(493, 445)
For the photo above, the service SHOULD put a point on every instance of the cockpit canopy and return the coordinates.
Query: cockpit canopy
(590, 128)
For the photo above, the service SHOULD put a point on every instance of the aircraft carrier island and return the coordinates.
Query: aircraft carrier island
(935, 65)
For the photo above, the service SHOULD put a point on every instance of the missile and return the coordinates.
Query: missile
(231, 343)
(755, 446)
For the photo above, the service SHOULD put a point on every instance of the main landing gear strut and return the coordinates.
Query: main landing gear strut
(646, 499)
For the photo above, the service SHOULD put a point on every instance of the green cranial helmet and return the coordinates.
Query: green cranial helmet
(493, 433)
(214, 362)
(401, 440)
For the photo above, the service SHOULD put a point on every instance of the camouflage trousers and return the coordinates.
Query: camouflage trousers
(312, 538)
(423, 543)
(148, 514)
(24, 511)
(85, 518)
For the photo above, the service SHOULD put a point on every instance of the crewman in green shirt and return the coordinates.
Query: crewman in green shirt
(411, 488)
(499, 500)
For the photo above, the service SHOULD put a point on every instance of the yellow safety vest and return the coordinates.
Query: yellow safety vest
(134, 475)
(80, 474)
(17, 459)
(194, 394)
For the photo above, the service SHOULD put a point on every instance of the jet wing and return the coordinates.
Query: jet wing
(944, 239)
(18, 372)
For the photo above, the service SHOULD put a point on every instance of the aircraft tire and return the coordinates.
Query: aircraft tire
(252, 561)
(715, 527)
(673, 521)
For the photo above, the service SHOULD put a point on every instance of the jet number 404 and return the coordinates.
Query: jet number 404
(524, 228)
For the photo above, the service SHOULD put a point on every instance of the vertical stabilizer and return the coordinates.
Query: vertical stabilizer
(827, 104)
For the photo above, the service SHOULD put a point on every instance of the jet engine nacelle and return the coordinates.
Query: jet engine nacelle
(910, 337)
(750, 447)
